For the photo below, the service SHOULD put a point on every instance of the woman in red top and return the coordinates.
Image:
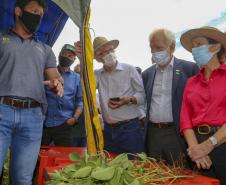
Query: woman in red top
(203, 113)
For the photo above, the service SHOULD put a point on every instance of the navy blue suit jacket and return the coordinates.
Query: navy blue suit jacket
(182, 70)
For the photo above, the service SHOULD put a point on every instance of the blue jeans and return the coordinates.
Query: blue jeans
(126, 138)
(21, 131)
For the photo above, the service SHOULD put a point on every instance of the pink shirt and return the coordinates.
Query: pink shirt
(204, 102)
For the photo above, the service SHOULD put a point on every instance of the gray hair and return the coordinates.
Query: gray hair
(169, 35)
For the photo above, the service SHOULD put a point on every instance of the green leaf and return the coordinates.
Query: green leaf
(103, 174)
(83, 172)
(74, 156)
(122, 158)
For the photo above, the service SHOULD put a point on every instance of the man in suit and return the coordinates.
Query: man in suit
(164, 84)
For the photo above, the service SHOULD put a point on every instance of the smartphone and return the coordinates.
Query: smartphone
(115, 99)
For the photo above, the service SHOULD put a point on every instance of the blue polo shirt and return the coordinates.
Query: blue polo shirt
(62, 108)
(22, 66)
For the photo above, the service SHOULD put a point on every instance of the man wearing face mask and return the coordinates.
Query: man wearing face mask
(25, 63)
(164, 83)
(121, 92)
(63, 112)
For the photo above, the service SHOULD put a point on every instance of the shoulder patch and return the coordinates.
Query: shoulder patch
(4, 39)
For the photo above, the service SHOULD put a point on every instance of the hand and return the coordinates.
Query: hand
(78, 49)
(204, 162)
(56, 85)
(72, 121)
(143, 121)
(200, 150)
(116, 104)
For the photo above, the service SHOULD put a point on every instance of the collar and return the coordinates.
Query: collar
(11, 31)
(221, 68)
(119, 67)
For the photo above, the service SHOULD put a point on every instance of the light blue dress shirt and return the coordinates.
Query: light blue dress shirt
(62, 108)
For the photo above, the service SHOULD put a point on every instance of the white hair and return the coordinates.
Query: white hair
(169, 35)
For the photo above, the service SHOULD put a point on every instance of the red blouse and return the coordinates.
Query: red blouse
(204, 102)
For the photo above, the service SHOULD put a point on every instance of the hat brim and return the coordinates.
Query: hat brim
(186, 38)
(68, 50)
(114, 43)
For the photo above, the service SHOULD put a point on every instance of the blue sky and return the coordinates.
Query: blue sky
(131, 22)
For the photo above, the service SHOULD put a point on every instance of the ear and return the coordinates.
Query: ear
(18, 12)
(172, 47)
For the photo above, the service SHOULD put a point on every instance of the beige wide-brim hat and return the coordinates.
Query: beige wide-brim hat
(102, 41)
(208, 32)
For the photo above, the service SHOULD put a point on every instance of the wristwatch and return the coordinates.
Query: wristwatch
(131, 100)
(213, 141)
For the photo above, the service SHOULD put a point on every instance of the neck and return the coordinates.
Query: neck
(20, 30)
(212, 65)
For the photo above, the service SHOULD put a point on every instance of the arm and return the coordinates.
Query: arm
(190, 137)
(193, 147)
(186, 129)
(137, 98)
(52, 76)
(206, 146)
(78, 101)
(74, 120)
(137, 84)
(220, 135)
(78, 104)
(54, 80)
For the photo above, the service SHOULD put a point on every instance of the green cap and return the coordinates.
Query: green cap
(68, 47)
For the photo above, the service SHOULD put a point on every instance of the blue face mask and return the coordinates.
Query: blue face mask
(161, 57)
(202, 55)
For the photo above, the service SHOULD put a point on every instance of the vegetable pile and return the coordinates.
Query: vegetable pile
(118, 171)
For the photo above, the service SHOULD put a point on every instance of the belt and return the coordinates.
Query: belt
(163, 124)
(17, 103)
(119, 123)
(206, 129)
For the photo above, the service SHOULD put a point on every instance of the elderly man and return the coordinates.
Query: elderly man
(120, 92)
(164, 84)
(63, 113)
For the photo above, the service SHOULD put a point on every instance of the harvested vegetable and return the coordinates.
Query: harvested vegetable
(118, 171)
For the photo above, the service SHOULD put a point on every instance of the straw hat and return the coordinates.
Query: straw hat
(208, 32)
(101, 41)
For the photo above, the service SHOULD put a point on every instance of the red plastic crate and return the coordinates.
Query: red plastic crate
(53, 156)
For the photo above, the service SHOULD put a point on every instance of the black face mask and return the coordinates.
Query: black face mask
(31, 21)
(65, 62)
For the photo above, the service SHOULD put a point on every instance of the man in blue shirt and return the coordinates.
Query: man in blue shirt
(63, 112)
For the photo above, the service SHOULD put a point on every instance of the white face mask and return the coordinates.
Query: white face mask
(110, 59)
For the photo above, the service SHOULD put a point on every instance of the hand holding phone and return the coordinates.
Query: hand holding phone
(115, 99)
